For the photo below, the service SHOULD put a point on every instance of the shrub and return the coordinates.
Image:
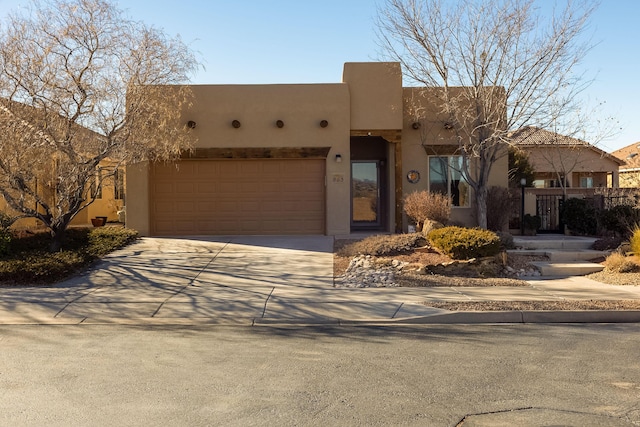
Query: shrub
(103, 240)
(499, 208)
(31, 262)
(506, 240)
(381, 245)
(423, 205)
(5, 242)
(579, 215)
(41, 267)
(607, 243)
(5, 234)
(532, 222)
(619, 263)
(618, 220)
(634, 241)
(465, 243)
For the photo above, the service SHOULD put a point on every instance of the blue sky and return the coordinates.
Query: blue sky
(294, 41)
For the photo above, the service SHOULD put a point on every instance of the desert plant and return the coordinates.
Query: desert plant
(465, 243)
(579, 215)
(619, 263)
(423, 205)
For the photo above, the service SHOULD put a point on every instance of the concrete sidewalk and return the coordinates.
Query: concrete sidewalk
(257, 280)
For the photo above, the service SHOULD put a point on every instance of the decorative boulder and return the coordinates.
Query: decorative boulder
(430, 225)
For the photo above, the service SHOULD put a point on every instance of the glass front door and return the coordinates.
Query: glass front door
(365, 194)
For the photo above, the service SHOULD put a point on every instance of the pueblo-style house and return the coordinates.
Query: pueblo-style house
(330, 158)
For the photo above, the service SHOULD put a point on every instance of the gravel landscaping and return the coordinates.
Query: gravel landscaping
(416, 269)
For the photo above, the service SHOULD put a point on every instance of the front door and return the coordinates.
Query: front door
(366, 203)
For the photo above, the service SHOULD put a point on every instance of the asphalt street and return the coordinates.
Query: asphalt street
(431, 375)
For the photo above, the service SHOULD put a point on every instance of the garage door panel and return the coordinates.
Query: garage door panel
(268, 196)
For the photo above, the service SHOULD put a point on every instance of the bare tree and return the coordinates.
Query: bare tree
(497, 65)
(82, 92)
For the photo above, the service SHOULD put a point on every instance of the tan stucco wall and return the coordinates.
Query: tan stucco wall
(376, 94)
(421, 106)
(630, 179)
(138, 199)
(257, 108)
(575, 161)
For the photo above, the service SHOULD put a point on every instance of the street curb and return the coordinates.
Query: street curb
(459, 317)
(479, 317)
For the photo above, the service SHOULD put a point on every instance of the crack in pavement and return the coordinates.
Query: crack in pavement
(179, 291)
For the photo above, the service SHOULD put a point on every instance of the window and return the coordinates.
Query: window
(118, 184)
(586, 182)
(445, 177)
(96, 186)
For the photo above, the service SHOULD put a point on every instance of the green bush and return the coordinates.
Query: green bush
(382, 245)
(5, 233)
(634, 241)
(103, 240)
(30, 262)
(580, 216)
(43, 267)
(465, 243)
(5, 242)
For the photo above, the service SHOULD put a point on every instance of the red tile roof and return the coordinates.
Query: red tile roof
(630, 154)
(531, 136)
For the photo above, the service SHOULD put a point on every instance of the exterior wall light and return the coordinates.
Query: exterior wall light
(338, 158)
(191, 124)
(415, 125)
(236, 124)
(279, 123)
(324, 123)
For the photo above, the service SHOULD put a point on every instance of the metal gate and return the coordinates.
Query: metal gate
(548, 209)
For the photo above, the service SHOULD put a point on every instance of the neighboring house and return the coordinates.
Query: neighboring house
(110, 197)
(109, 202)
(557, 158)
(630, 171)
(302, 159)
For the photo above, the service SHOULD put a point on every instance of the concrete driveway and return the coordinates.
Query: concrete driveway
(251, 280)
(218, 279)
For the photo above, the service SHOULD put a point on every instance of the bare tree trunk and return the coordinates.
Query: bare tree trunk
(481, 206)
(57, 238)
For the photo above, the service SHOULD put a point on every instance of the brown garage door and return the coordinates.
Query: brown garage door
(262, 196)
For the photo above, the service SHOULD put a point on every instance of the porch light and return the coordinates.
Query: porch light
(235, 124)
(191, 124)
(279, 123)
(324, 123)
(416, 125)
(338, 158)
